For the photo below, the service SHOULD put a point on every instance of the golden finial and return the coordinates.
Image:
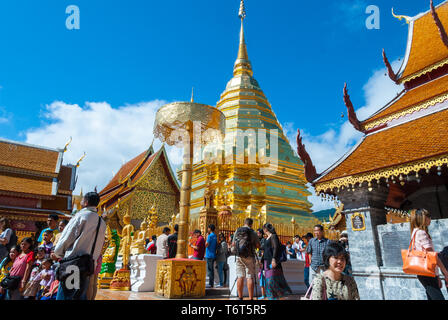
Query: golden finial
(80, 159)
(67, 144)
(192, 94)
(400, 17)
(293, 221)
(242, 12)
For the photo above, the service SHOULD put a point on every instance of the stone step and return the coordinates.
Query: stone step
(217, 291)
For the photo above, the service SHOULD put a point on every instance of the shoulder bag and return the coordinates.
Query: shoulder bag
(421, 263)
(84, 262)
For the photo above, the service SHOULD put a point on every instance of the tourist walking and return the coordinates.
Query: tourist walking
(52, 223)
(8, 239)
(332, 284)
(244, 244)
(172, 243)
(315, 249)
(83, 235)
(221, 259)
(210, 254)
(162, 243)
(306, 270)
(20, 270)
(276, 285)
(420, 221)
(199, 246)
(261, 273)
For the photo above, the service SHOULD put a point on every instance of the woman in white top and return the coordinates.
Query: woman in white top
(420, 221)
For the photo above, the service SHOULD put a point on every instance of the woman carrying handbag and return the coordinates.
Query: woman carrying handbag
(421, 259)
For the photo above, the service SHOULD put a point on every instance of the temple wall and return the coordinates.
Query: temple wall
(388, 281)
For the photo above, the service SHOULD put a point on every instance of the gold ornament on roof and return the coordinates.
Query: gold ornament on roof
(80, 159)
(67, 144)
(400, 17)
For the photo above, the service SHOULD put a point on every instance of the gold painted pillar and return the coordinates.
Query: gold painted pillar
(185, 195)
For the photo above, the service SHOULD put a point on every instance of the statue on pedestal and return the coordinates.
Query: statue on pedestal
(126, 240)
(138, 245)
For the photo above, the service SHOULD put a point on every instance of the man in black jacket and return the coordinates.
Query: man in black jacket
(172, 243)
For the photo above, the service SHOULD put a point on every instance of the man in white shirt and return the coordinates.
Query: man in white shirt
(77, 239)
(162, 243)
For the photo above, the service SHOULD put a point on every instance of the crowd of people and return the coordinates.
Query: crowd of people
(39, 269)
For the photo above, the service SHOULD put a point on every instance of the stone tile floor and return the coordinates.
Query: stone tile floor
(104, 294)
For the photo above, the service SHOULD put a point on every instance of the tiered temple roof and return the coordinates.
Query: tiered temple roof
(33, 181)
(409, 134)
(140, 183)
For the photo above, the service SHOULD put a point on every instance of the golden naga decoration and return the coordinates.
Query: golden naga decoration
(80, 159)
(67, 144)
(400, 17)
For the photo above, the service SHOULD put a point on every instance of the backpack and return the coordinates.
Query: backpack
(243, 242)
(12, 241)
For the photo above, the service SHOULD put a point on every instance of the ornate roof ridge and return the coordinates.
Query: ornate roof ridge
(411, 38)
(372, 122)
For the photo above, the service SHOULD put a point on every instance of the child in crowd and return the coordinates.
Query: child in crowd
(6, 265)
(46, 243)
(46, 276)
(33, 286)
(52, 292)
(290, 251)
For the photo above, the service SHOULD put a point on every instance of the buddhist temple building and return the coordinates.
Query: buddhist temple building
(278, 196)
(34, 184)
(399, 164)
(141, 183)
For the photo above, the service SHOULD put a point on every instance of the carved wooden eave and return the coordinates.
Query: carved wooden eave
(352, 117)
(438, 22)
(392, 75)
(310, 170)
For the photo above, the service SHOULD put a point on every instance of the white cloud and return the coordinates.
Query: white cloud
(330, 146)
(109, 136)
(5, 116)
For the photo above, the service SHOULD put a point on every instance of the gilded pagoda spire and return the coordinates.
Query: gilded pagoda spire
(242, 63)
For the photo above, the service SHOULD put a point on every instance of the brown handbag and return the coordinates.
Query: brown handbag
(421, 263)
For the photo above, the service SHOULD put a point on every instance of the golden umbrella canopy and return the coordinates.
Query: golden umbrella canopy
(180, 123)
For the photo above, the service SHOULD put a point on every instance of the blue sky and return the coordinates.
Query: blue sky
(138, 54)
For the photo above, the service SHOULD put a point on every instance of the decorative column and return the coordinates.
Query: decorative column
(364, 211)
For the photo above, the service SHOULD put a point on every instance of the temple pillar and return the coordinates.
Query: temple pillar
(364, 212)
